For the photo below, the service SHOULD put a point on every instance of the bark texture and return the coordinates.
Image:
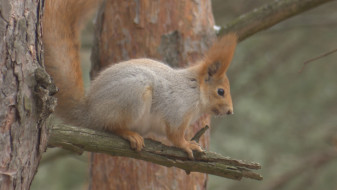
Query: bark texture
(268, 15)
(176, 32)
(23, 136)
(78, 140)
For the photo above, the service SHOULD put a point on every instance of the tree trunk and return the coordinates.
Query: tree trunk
(176, 32)
(23, 136)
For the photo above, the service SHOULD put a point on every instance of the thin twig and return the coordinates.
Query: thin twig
(197, 136)
(316, 58)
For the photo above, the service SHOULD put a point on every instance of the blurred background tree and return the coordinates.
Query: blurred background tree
(283, 119)
(161, 30)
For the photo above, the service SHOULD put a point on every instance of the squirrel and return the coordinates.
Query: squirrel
(137, 97)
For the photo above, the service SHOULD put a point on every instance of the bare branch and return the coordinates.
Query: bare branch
(74, 138)
(267, 16)
(199, 134)
(316, 58)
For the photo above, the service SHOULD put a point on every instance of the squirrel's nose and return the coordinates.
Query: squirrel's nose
(229, 112)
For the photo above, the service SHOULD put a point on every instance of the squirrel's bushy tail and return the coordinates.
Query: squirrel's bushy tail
(62, 22)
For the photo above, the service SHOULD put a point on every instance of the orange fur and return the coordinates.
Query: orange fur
(136, 141)
(176, 136)
(212, 75)
(105, 109)
(221, 53)
(62, 22)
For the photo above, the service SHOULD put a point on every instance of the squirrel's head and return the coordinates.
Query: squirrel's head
(214, 84)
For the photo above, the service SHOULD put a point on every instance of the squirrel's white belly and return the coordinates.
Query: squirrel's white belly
(150, 124)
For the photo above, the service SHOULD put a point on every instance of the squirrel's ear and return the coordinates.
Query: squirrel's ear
(219, 56)
(213, 68)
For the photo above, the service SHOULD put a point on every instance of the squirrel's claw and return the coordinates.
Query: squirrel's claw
(189, 146)
(136, 141)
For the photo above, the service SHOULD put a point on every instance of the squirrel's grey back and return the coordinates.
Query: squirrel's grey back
(174, 92)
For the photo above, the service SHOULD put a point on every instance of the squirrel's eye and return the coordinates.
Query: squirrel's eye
(221, 92)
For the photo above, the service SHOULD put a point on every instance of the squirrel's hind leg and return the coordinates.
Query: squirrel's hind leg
(132, 118)
(136, 141)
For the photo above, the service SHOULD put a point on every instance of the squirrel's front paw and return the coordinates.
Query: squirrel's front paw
(189, 146)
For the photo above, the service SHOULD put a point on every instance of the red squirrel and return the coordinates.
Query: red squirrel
(137, 97)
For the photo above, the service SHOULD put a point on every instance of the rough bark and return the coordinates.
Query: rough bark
(79, 139)
(176, 32)
(24, 90)
(268, 15)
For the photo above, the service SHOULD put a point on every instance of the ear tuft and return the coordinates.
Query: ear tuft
(219, 56)
(213, 68)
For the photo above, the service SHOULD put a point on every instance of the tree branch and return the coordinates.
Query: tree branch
(267, 16)
(316, 58)
(81, 139)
